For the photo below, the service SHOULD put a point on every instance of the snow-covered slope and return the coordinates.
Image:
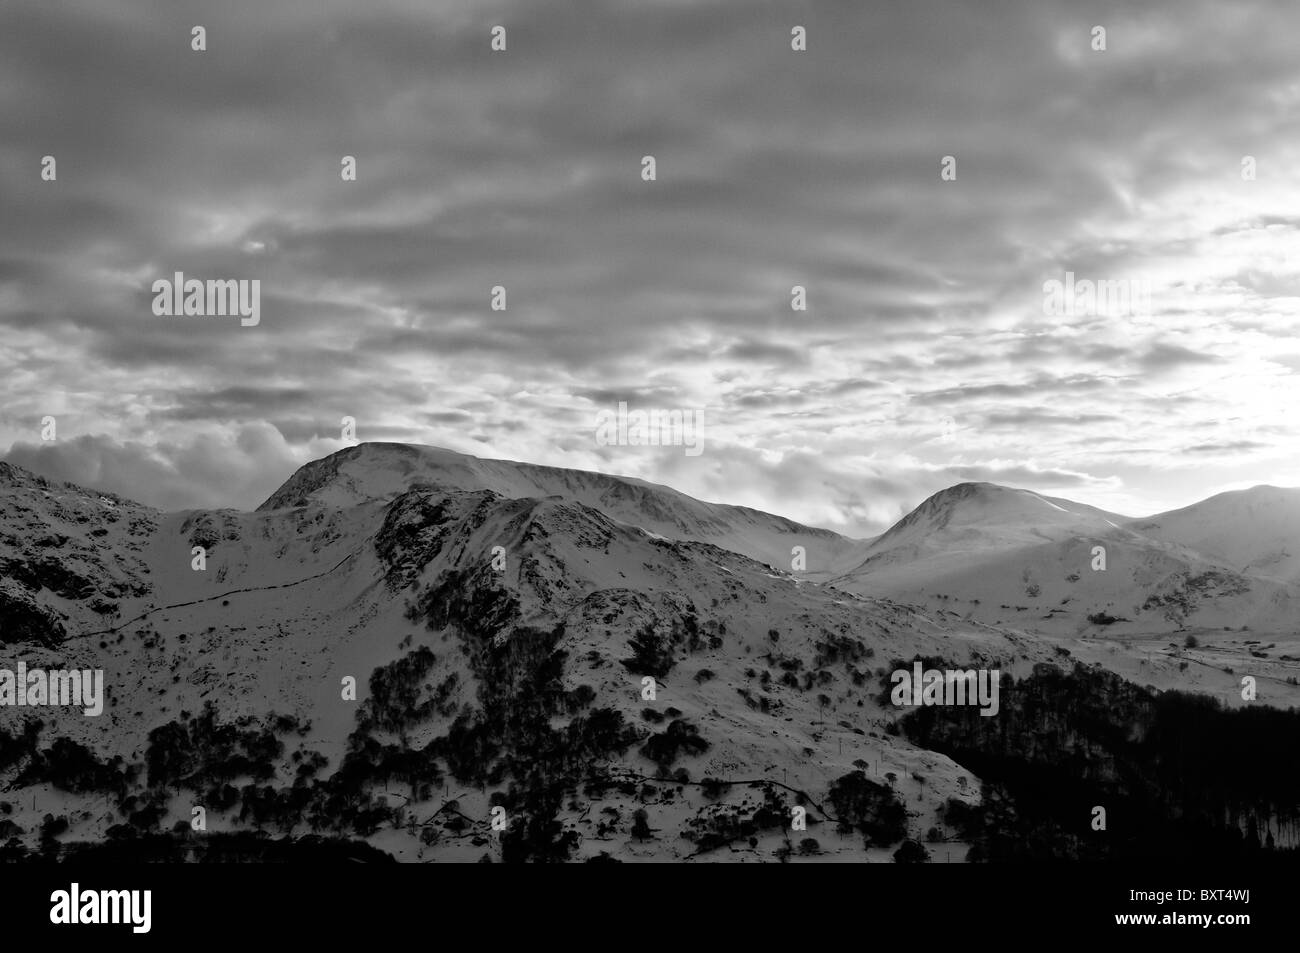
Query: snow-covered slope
(377, 471)
(1255, 531)
(499, 622)
(1014, 557)
(531, 622)
(67, 555)
(980, 519)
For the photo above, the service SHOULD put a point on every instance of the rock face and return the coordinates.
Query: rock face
(23, 619)
(66, 552)
(449, 658)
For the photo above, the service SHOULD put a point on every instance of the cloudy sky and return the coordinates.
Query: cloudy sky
(925, 357)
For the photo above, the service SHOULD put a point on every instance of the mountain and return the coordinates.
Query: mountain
(980, 518)
(414, 654)
(378, 471)
(1049, 565)
(1255, 531)
(500, 645)
(66, 550)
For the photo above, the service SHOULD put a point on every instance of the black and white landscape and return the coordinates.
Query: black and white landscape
(655, 430)
(612, 669)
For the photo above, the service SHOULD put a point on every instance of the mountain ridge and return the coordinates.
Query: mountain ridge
(499, 646)
(383, 470)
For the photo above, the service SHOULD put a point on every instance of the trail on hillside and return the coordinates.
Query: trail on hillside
(222, 595)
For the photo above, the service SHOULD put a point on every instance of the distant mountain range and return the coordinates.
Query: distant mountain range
(1044, 563)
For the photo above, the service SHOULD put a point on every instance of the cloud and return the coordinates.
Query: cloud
(1163, 356)
(237, 469)
(1236, 446)
(925, 351)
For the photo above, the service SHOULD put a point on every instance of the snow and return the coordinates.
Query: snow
(296, 597)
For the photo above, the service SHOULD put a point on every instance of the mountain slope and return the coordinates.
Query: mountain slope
(1255, 531)
(1014, 557)
(500, 647)
(66, 552)
(374, 657)
(983, 518)
(373, 471)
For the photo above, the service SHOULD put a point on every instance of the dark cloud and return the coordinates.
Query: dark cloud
(641, 396)
(761, 352)
(1236, 446)
(1039, 418)
(204, 473)
(1164, 356)
(1040, 385)
(1023, 476)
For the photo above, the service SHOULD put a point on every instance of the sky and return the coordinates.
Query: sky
(927, 355)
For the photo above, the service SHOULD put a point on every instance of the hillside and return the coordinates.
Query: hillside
(500, 683)
(378, 471)
(1255, 531)
(500, 623)
(1014, 557)
(982, 518)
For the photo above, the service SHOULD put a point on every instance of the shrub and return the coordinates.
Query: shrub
(651, 655)
(1101, 618)
(911, 852)
(679, 736)
(641, 825)
(871, 808)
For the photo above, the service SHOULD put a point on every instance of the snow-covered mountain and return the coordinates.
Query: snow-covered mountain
(975, 519)
(499, 643)
(1015, 557)
(377, 471)
(500, 622)
(1255, 531)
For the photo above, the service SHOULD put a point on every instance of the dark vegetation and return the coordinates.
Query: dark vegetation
(680, 737)
(868, 807)
(655, 653)
(723, 825)
(212, 848)
(1103, 618)
(1179, 775)
(525, 731)
(509, 737)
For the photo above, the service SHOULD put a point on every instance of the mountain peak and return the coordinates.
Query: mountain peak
(979, 504)
(978, 517)
(14, 477)
(1253, 529)
(382, 471)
